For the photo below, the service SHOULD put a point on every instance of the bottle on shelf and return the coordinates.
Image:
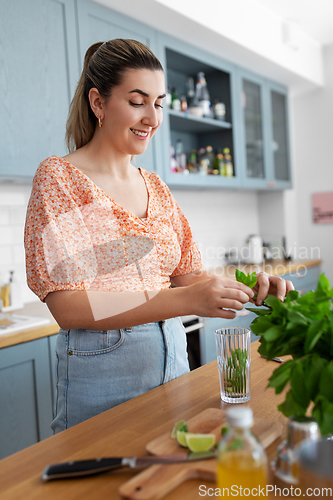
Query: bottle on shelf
(191, 99)
(242, 462)
(228, 165)
(192, 163)
(174, 167)
(175, 101)
(219, 167)
(183, 103)
(210, 157)
(168, 98)
(219, 110)
(181, 156)
(202, 95)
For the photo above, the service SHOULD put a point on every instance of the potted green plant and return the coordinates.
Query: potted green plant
(302, 327)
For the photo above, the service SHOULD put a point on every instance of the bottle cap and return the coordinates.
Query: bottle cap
(240, 417)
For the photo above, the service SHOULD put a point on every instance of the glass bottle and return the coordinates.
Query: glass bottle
(191, 99)
(202, 94)
(175, 101)
(180, 156)
(242, 462)
(168, 98)
(228, 166)
(210, 158)
(219, 162)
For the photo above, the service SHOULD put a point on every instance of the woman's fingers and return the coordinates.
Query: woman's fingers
(274, 285)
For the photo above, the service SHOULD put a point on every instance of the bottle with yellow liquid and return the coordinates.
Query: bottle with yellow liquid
(242, 462)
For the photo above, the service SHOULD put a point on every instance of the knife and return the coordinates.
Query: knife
(80, 468)
(278, 360)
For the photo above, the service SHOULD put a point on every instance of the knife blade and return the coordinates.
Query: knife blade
(79, 468)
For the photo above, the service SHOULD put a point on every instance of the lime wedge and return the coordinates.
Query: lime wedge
(199, 442)
(181, 438)
(181, 425)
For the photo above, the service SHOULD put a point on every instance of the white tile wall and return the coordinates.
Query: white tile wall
(220, 220)
(13, 205)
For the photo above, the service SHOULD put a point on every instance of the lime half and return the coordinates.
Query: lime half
(181, 425)
(199, 442)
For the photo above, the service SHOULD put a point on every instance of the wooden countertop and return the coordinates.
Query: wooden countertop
(125, 430)
(276, 267)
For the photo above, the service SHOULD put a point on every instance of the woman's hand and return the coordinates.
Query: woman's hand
(271, 285)
(218, 297)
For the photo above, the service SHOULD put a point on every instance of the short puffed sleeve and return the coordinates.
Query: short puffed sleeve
(59, 253)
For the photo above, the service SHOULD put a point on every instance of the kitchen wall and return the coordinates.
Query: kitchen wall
(312, 126)
(220, 220)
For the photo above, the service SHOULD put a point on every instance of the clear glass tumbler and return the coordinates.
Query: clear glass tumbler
(233, 346)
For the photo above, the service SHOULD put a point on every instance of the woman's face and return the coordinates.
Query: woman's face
(133, 112)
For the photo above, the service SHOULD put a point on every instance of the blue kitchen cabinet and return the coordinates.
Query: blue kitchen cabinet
(25, 395)
(304, 280)
(263, 133)
(47, 47)
(182, 61)
(39, 70)
(97, 23)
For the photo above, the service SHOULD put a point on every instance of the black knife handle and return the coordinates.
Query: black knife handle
(80, 468)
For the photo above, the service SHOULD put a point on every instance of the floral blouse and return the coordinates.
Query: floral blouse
(78, 238)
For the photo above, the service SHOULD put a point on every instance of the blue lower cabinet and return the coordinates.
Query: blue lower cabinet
(26, 395)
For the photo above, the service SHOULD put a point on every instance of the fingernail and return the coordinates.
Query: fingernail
(260, 303)
(281, 298)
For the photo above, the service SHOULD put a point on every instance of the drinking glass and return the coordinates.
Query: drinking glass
(233, 346)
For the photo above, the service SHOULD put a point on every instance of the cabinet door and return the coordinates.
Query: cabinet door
(97, 23)
(39, 68)
(25, 396)
(182, 61)
(252, 130)
(278, 130)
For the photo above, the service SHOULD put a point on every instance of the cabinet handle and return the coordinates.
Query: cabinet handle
(271, 184)
(300, 275)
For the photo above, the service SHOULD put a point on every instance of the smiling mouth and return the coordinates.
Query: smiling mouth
(139, 133)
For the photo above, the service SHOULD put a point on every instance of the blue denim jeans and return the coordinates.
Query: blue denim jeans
(97, 370)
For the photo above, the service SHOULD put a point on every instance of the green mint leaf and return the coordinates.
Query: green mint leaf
(281, 376)
(259, 311)
(297, 318)
(299, 389)
(249, 280)
(290, 407)
(313, 369)
(273, 333)
(326, 382)
(313, 334)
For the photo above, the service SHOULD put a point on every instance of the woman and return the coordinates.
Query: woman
(105, 240)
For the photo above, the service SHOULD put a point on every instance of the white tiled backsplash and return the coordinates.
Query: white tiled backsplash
(13, 206)
(220, 219)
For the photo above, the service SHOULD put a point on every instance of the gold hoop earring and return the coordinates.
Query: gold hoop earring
(100, 123)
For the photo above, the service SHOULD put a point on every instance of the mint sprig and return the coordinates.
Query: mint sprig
(249, 280)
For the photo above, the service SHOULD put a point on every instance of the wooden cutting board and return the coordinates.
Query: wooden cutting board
(158, 480)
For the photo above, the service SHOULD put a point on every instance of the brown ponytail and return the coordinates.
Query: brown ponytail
(104, 66)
